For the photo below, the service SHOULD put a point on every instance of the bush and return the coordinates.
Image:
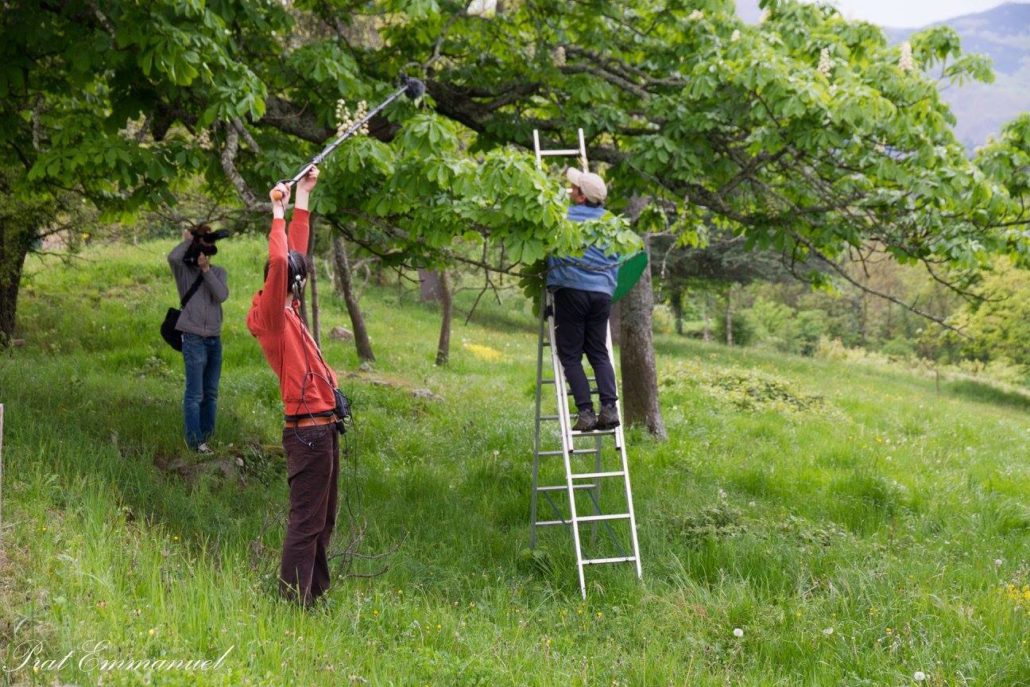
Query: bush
(743, 329)
(899, 348)
(662, 319)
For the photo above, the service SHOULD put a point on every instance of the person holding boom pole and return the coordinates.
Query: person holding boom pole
(316, 411)
(308, 387)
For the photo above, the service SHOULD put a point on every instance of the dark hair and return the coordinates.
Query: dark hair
(297, 267)
(592, 204)
(298, 272)
(200, 230)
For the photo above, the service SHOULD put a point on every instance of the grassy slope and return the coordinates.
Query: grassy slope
(845, 498)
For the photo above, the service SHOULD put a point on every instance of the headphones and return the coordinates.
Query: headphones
(298, 272)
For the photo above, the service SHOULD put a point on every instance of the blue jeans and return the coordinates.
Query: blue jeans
(203, 358)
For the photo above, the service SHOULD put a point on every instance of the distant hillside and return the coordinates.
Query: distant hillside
(1003, 34)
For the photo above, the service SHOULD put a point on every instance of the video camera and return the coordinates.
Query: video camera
(203, 242)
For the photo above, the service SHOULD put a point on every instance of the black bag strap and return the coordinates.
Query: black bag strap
(193, 289)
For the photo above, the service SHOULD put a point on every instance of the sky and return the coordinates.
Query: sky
(910, 13)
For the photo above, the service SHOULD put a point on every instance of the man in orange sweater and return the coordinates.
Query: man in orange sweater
(307, 386)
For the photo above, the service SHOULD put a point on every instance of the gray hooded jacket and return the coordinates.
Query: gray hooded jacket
(203, 314)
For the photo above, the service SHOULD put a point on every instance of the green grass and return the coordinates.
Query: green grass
(855, 524)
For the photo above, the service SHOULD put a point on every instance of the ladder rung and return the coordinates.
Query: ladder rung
(563, 487)
(575, 451)
(595, 518)
(549, 523)
(593, 432)
(592, 475)
(560, 151)
(597, 561)
(549, 417)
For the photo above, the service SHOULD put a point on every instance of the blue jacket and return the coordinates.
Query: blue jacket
(595, 271)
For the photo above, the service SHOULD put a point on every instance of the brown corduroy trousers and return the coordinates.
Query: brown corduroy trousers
(312, 471)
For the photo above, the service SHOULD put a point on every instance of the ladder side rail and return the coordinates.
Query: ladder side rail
(566, 439)
(596, 493)
(620, 441)
(583, 152)
(536, 439)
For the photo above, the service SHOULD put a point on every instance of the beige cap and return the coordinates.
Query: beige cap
(589, 183)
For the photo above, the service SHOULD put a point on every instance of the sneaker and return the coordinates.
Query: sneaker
(204, 449)
(609, 418)
(586, 421)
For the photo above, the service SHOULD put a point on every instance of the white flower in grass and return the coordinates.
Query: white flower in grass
(736, 35)
(737, 632)
(828, 631)
(998, 562)
(825, 63)
(906, 63)
(919, 676)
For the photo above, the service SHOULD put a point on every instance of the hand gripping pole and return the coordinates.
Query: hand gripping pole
(413, 88)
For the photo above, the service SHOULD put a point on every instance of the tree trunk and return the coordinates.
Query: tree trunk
(357, 321)
(8, 305)
(729, 316)
(313, 284)
(676, 302)
(706, 333)
(615, 322)
(429, 286)
(443, 348)
(15, 242)
(636, 354)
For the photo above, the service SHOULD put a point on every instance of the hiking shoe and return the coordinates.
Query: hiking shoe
(609, 418)
(586, 421)
(204, 449)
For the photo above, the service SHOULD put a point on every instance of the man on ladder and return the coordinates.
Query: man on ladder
(582, 289)
(573, 321)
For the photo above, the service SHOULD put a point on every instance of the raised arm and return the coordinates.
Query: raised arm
(179, 252)
(300, 227)
(270, 309)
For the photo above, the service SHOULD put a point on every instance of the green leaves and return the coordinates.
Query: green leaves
(803, 126)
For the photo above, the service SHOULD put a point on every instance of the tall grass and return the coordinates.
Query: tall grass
(856, 525)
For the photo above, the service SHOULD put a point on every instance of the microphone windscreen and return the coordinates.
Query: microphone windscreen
(413, 88)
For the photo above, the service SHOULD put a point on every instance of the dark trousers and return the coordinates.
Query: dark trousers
(312, 470)
(581, 326)
(202, 356)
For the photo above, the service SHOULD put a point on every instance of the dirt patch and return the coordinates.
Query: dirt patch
(379, 379)
(258, 461)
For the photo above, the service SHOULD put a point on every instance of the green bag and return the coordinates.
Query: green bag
(630, 271)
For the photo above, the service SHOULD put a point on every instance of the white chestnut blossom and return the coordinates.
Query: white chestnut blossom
(345, 120)
(482, 8)
(825, 63)
(906, 62)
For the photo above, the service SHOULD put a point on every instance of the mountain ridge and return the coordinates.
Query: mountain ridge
(1001, 33)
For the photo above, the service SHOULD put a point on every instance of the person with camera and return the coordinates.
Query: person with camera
(203, 287)
(314, 409)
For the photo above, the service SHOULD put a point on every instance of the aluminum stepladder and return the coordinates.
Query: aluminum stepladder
(589, 482)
